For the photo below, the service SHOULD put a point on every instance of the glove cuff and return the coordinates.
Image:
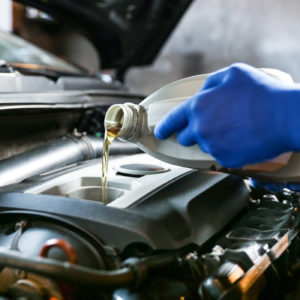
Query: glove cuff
(290, 122)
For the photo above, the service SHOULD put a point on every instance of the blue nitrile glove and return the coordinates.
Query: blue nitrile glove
(240, 116)
(275, 187)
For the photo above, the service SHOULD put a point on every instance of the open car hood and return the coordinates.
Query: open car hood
(125, 33)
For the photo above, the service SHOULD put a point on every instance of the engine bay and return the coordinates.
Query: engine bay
(168, 232)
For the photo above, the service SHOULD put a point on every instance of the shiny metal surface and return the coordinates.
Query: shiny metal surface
(65, 151)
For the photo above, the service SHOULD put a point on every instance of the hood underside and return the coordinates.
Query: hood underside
(125, 33)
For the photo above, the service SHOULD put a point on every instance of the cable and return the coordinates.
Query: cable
(133, 272)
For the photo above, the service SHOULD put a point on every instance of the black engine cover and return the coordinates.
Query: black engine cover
(191, 209)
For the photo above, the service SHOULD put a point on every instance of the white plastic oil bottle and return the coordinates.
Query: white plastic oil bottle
(137, 123)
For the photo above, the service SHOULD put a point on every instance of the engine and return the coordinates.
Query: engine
(167, 233)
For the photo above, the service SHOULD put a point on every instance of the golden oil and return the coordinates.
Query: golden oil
(111, 131)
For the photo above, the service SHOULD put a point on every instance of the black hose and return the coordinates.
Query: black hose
(133, 272)
(65, 271)
(158, 262)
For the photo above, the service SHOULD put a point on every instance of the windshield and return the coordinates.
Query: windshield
(17, 51)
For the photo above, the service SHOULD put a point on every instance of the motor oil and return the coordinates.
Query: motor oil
(111, 130)
(138, 121)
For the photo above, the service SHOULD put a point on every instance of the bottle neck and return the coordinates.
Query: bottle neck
(128, 117)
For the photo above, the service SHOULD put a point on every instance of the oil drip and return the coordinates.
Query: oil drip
(111, 131)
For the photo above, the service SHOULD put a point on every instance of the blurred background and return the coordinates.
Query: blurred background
(211, 35)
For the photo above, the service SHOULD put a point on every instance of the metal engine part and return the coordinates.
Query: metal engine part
(68, 150)
(257, 258)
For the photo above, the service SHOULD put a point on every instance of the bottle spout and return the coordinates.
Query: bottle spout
(124, 117)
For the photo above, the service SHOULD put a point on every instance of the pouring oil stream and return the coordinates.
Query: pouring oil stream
(111, 131)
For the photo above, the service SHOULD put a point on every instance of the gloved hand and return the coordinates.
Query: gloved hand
(240, 116)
